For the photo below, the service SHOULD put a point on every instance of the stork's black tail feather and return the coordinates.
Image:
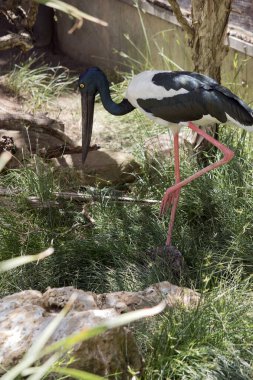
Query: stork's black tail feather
(236, 108)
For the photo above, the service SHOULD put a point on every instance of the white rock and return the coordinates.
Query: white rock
(25, 315)
(101, 166)
(58, 297)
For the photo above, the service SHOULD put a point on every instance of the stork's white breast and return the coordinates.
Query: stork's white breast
(142, 87)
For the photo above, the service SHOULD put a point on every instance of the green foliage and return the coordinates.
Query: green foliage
(38, 83)
(214, 342)
(234, 79)
(213, 226)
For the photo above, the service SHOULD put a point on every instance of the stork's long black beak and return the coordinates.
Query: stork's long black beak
(88, 101)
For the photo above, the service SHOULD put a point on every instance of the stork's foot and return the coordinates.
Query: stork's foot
(171, 196)
(173, 257)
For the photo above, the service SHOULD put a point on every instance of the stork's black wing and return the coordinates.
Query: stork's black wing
(204, 97)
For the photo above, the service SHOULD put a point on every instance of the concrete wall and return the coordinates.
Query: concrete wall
(96, 45)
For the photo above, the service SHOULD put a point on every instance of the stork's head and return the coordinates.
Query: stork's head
(90, 81)
(89, 84)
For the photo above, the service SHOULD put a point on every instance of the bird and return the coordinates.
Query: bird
(174, 99)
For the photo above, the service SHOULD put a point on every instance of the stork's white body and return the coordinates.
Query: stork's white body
(143, 87)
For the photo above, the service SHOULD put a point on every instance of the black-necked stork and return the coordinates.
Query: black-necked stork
(173, 99)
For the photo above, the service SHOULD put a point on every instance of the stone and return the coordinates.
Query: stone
(151, 296)
(106, 354)
(17, 330)
(162, 146)
(101, 166)
(13, 301)
(174, 295)
(25, 315)
(57, 298)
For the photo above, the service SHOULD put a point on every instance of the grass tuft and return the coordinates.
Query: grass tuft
(37, 83)
(212, 342)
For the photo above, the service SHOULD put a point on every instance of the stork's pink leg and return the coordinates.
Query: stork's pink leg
(177, 179)
(171, 194)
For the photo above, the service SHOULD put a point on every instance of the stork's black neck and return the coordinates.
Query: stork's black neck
(116, 109)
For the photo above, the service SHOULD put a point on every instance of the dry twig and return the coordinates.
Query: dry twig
(80, 197)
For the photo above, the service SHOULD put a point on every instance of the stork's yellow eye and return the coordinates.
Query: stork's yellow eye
(81, 85)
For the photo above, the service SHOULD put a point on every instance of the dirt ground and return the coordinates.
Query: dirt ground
(66, 108)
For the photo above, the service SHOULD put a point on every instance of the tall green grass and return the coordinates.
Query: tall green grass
(212, 342)
(213, 226)
(37, 83)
